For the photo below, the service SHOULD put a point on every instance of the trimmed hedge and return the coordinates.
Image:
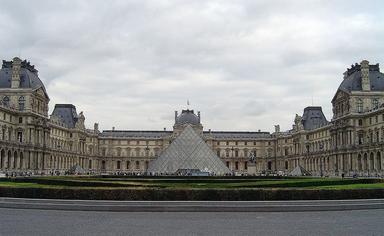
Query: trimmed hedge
(66, 182)
(190, 194)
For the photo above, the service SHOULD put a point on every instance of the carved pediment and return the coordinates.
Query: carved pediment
(41, 92)
(340, 95)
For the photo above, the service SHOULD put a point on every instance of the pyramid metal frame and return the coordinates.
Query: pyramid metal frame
(188, 151)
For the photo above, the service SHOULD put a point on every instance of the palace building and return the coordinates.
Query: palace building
(351, 142)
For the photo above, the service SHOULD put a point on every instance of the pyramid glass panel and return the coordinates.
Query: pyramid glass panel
(188, 152)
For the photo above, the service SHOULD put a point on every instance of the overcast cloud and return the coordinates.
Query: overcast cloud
(246, 65)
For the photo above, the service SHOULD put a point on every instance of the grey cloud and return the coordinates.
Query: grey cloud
(245, 64)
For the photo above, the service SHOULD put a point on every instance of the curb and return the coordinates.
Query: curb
(191, 206)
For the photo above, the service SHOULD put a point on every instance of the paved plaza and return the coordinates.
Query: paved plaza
(52, 222)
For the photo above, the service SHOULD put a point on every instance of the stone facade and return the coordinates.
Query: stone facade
(351, 143)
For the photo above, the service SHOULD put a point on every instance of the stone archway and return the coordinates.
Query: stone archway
(365, 161)
(15, 158)
(2, 159)
(21, 160)
(9, 159)
(371, 162)
(359, 163)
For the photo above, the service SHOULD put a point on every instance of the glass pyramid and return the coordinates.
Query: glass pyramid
(188, 152)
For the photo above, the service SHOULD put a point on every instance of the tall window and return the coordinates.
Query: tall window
(6, 101)
(359, 105)
(360, 122)
(360, 138)
(103, 165)
(118, 165)
(375, 103)
(20, 137)
(21, 103)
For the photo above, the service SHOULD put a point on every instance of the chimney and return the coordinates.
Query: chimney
(175, 116)
(96, 127)
(198, 114)
(277, 128)
(16, 65)
(113, 128)
(365, 83)
(165, 129)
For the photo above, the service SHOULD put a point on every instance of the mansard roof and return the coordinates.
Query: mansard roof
(28, 76)
(238, 134)
(352, 79)
(67, 114)
(313, 118)
(159, 134)
(134, 133)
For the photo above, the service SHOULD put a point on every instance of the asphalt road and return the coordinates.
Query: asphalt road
(52, 222)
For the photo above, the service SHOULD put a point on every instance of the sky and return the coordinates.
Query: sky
(246, 65)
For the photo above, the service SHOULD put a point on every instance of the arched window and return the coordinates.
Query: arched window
(137, 165)
(378, 161)
(128, 165)
(21, 103)
(359, 105)
(6, 101)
